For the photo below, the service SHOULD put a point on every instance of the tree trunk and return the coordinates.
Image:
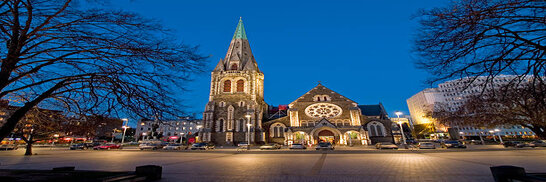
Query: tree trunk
(29, 148)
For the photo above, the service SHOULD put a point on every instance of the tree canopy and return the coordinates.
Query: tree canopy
(89, 60)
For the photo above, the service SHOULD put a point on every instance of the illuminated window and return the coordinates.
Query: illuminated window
(227, 86)
(240, 86)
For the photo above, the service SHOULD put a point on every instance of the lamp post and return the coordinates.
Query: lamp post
(56, 138)
(498, 133)
(401, 128)
(198, 130)
(126, 121)
(248, 131)
(461, 134)
(181, 135)
(113, 133)
(144, 135)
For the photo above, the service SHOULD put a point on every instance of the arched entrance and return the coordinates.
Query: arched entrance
(326, 136)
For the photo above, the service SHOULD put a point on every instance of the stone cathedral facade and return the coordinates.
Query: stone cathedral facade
(236, 96)
(236, 105)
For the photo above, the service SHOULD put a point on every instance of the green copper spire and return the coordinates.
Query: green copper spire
(240, 31)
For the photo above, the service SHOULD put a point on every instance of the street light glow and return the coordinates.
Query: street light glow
(398, 113)
(497, 130)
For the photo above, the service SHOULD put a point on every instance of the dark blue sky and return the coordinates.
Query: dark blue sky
(360, 49)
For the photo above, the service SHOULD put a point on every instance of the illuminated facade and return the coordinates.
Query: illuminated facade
(322, 115)
(236, 96)
(236, 100)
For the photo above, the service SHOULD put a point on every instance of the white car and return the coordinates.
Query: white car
(427, 145)
(173, 146)
(270, 146)
(297, 146)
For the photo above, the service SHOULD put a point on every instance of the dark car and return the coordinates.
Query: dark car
(453, 144)
(201, 146)
(516, 144)
(324, 146)
(79, 146)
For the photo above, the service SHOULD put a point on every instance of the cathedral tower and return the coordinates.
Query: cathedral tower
(236, 96)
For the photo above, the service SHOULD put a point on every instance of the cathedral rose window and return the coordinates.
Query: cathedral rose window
(323, 110)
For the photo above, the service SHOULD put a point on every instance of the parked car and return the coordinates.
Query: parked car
(172, 146)
(539, 143)
(150, 146)
(92, 145)
(324, 146)
(202, 146)
(242, 144)
(427, 145)
(107, 146)
(297, 146)
(517, 144)
(79, 146)
(9, 147)
(270, 146)
(385, 145)
(453, 144)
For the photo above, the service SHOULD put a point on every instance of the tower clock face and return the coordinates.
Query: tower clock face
(323, 110)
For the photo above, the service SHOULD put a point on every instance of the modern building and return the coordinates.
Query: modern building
(167, 129)
(236, 109)
(451, 95)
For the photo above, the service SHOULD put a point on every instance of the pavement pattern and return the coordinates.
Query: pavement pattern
(289, 166)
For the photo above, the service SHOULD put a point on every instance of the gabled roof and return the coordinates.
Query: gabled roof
(322, 90)
(373, 110)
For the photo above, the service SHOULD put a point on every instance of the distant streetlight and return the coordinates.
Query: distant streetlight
(56, 138)
(248, 131)
(126, 121)
(401, 128)
(181, 135)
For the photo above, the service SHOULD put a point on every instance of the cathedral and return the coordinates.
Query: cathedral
(236, 109)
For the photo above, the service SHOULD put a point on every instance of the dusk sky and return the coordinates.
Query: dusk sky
(360, 49)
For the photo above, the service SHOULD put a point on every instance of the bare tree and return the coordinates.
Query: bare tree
(509, 105)
(471, 38)
(39, 124)
(89, 60)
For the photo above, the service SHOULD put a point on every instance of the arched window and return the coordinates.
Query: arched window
(241, 124)
(220, 125)
(325, 98)
(234, 66)
(318, 98)
(240, 86)
(227, 86)
(376, 129)
(281, 131)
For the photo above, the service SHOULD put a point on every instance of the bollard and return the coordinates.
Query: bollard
(152, 172)
(507, 173)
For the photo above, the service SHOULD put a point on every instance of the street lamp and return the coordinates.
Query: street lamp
(401, 128)
(56, 138)
(181, 135)
(124, 129)
(498, 133)
(248, 131)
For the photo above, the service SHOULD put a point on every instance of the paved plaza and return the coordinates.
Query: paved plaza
(289, 166)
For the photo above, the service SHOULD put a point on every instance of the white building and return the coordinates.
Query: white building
(451, 95)
(170, 129)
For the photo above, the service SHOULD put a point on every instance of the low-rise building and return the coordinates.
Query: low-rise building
(170, 129)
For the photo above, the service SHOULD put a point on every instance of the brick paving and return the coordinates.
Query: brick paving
(322, 166)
